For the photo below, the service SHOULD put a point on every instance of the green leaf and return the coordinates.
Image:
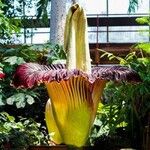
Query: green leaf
(144, 60)
(10, 100)
(103, 55)
(133, 5)
(14, 60)
(30, 99)
(20, 104)
(145, 47)
(18, 98)
(6, 116)
(142, 20)
(1, 102)
(1, 65)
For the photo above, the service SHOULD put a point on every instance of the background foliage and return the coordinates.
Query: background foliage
(19, 134)
(27, 103)
(7, 25)
(123, 117)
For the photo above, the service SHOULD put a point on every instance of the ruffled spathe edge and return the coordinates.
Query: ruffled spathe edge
(29, 74)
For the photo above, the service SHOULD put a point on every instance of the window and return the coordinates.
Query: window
(113, 23)
(109, 22)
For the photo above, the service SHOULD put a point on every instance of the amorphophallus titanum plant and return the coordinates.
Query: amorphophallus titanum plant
(74, 89)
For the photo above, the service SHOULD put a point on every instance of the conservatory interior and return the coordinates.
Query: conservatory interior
(99, 100)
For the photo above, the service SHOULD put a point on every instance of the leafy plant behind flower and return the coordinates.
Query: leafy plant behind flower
(7, 25)
(19, 134)
(128, 105)
(11, 57)
(24, 99)
(12, 96)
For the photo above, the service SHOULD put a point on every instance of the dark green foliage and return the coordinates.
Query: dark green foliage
(15, 8)
(133, 6)
(42, 10)
(19, 97)
(143, 20)
(19, 134)
(126, 106)
(10, 58)
(8, 26)
(27, 103)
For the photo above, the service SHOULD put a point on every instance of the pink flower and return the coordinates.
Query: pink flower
(2, 75)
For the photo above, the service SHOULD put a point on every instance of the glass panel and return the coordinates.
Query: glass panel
(127, 37)
(93, 7)
(29, 40)
(41, 30)
(90, 29)
(17, 39)
(144, 6)
(96, 7)
(129, 28)
(129, 34)
(118, 6)
(41, 35)
(40, 38)
(102, 37)
(121, 7)
(18, 8)
(30, 7)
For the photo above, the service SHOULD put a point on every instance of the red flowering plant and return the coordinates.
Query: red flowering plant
(74, 88)
(2, 75)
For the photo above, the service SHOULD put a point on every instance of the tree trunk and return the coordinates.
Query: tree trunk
(57, 24)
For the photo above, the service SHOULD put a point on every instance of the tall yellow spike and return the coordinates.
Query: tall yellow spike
(76, 40)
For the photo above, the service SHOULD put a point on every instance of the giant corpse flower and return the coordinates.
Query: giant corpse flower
(74, 88)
